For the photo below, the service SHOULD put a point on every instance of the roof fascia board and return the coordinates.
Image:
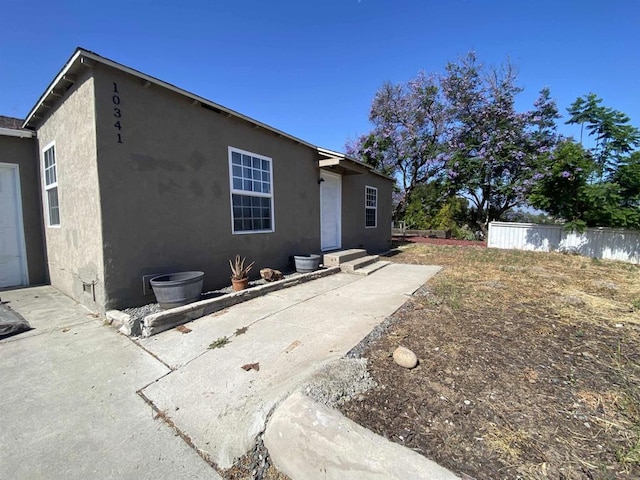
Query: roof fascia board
(52, 86)
(12, 132)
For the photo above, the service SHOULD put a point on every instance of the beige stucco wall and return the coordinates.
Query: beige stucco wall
(165, 189)
(74, 249)
(354, 232)
(24, 153)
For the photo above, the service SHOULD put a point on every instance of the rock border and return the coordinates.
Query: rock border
(168, 319)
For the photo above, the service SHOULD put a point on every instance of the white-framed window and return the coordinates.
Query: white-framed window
(251, 178)
(50, 174)
(370, 207)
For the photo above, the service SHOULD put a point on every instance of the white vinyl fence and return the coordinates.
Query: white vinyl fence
(605, 243)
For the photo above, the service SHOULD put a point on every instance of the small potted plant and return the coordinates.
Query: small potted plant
(240, 273)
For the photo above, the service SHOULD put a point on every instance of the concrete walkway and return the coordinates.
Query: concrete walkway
(69, 386)
(290, 333)
(69, 408)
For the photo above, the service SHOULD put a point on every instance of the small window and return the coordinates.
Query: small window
(251, 178)
(370, 207)
(51, 186)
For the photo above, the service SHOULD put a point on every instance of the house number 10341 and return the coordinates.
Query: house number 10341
(117, 112)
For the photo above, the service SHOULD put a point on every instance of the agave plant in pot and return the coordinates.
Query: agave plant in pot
(240, 273)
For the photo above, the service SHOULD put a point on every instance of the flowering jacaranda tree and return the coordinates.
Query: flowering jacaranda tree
(461, 127)
(408, 139)
(494, 151)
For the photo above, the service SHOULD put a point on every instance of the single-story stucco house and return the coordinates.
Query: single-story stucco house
(115, 175)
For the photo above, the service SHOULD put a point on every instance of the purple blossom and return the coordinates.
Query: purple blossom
(566, 174)
(452, 174)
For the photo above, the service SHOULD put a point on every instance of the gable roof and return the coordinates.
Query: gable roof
(83, 57)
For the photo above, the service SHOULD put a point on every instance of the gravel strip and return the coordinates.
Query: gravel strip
(138, 313)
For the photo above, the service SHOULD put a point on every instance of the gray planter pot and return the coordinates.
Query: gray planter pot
(176, 289)
(307, 263)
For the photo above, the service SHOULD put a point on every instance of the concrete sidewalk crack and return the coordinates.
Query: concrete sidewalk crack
(145, 349)
(161, 414)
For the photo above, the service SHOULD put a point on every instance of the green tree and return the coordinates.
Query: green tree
(627, 176)
(561, 189)
(614, 137)
(425, 202)
(453, 215)
(567, 190)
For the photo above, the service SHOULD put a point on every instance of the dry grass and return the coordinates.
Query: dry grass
(545, 348)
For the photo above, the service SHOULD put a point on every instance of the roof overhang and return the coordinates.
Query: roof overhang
(82, 59)
(87, 59)
(341, 163)
(345, 166)
(12, 132)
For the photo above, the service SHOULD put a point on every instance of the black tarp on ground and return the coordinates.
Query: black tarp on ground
(11, 323)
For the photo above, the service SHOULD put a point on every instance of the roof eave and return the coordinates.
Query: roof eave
(82, 53)
(48, 91)
(331, 154)
(13, 132)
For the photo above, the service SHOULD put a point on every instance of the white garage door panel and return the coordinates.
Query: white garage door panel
(12, 258)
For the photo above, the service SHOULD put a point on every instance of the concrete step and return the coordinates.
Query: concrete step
(335, 259)
(352, 265)
(372, 267)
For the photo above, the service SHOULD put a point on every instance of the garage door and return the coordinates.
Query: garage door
(13, 270)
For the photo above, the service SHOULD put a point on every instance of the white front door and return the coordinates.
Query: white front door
(13, 270)
(330, 211)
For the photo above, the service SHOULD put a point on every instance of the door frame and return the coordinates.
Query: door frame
(21, 238)
(338, 213)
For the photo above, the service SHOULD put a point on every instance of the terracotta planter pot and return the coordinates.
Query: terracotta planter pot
(240, 284)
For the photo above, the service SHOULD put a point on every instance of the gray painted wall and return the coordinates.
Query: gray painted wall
(166, 195)
(74, 249)
(24, 153)
(354, 232)
(143, 177)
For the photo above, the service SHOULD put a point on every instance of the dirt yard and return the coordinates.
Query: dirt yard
(441, 241)
(529, 366)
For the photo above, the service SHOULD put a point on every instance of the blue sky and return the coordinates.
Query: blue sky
(311, 67)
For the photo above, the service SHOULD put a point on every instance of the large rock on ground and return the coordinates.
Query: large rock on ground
(271, 275)
(405, 357)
